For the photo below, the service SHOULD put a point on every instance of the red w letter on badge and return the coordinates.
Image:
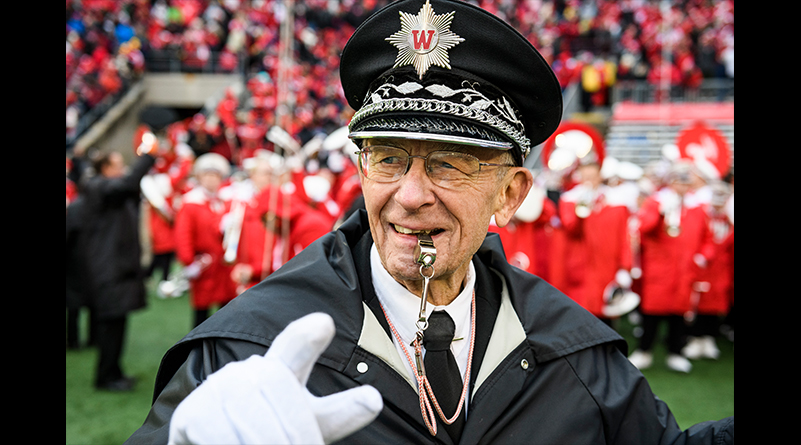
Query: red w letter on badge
(422, 40)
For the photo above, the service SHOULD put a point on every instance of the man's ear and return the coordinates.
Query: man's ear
(514, 190)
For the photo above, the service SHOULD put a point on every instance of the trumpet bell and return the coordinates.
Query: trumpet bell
(619, 302)
(172, 288)
(583, 211)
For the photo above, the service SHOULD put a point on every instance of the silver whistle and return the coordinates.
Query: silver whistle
(424, 254)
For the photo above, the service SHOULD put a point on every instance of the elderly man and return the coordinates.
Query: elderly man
(345, 342)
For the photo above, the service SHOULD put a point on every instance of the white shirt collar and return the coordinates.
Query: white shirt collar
(403, 307)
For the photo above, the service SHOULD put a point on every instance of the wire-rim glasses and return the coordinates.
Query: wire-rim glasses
(447, 169)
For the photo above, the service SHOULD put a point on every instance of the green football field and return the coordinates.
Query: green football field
(95, 417)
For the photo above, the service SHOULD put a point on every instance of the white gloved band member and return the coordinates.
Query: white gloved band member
(264, 399)
(668, 201)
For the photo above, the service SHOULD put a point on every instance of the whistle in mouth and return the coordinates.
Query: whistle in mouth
(425, 253)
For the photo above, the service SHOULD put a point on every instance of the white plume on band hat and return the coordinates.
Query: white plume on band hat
(706, 169)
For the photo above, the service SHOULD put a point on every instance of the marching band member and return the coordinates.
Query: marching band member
(247, 268)
(251, 135)
(198, 232)
(671, 233)
(315, 191)
(703, 175)
(713, 287)
(162, 188)
(598, 249)
(263, 248)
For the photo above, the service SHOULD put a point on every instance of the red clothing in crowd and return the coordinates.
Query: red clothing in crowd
(347, 186)
(720, 264)
(594, 247)
(668, 267)
(265, 251)
(171, 173)
(528, 244)
(197, 232)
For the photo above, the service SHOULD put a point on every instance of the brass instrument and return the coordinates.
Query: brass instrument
(153, 193)
(179, 283)
(233, 232)
(586, 202)
(673, 221)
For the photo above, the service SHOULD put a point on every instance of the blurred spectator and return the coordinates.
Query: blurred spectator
(110, 247)
(75, 288)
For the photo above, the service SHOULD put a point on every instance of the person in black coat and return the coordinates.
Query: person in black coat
(450, 101)
(74, 273)
(114, 279)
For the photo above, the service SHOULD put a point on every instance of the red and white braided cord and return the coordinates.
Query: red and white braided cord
(424, 387)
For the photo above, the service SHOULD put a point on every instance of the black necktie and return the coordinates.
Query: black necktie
(442, 370)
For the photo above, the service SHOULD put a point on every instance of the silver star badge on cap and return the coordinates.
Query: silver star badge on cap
(424, 39)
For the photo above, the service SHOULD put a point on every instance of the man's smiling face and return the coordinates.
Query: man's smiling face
(457, 220)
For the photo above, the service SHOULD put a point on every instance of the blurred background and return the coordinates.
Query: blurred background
(647, 85)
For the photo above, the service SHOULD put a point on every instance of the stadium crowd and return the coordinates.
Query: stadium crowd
(594, 43)
(234, 194)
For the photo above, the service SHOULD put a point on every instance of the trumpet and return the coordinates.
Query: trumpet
(673, 222)
(179, 283)
(233, 232)
(586, 202)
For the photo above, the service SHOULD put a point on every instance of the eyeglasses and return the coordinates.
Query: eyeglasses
(447, 169)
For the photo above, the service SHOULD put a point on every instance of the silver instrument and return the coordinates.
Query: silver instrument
(153, 191)
(586, 201)
(179, 283)
(233, 232)
(673, 221)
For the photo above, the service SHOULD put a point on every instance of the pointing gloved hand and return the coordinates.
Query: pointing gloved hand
(264, 399)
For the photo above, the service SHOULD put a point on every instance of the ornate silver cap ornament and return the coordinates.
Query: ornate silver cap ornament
(424, 39)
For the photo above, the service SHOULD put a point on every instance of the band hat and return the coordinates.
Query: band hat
(212, 162)
(448, 71)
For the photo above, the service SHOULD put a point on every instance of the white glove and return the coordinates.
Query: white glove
(668, 201)
(264, 399)
(623, 278)
(700, 260)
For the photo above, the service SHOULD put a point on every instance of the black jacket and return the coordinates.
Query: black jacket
(109, 242)
(545, 371)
